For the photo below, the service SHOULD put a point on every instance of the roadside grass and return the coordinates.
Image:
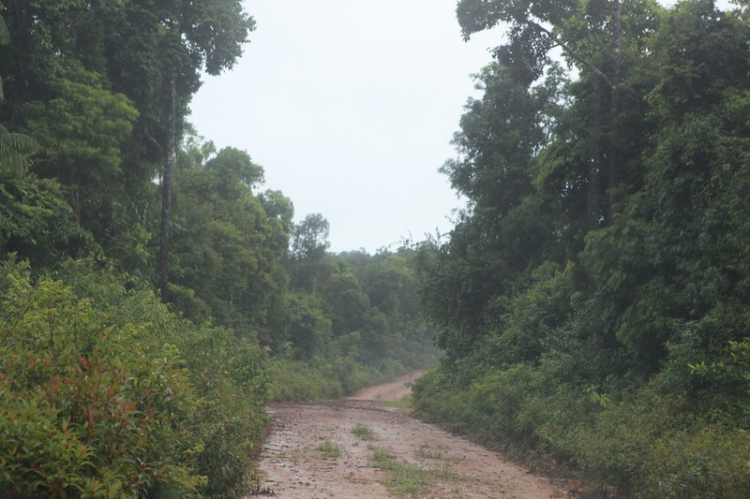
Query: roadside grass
(446, 473)
(329, 450)
(405, 403)
(294, 455)
(426, 452)
(363, 432)
(407, 480)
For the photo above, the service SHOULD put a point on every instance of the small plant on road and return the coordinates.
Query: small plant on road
(329, 450)
(406, 480)
(363, 432)
(425, 451)
(405, 403)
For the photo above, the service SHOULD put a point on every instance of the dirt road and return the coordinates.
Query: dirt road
(359, 448)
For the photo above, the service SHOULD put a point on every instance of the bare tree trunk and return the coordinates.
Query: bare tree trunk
(167, 182)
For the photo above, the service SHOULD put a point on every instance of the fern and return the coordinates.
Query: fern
(15, 149)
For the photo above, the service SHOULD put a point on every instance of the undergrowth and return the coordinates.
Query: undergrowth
(641, 445)
(319, 379)
(105, 393)
(363, 432)
(329, 450)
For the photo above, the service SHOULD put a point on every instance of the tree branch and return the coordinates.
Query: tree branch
(155, 142)
(597, 40)
(618, 44)
(607, 6)
(572, 53)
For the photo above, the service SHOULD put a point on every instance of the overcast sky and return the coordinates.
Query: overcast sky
(350, 106)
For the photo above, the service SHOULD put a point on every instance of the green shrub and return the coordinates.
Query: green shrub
(641, 445)
(86, 411)
(105, 393)
(321, 379)
(500, 408)
(709, 461)
(434, 395)
(650, 446)
(293, 380)
(229, 375)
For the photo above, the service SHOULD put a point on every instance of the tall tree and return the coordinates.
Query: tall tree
(153, 52)
(226, 248)
(595, 36)
(309, 245)
(638, 306)
(199, 36)
(500, 235)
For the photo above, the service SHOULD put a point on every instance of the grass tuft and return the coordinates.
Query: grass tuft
(363, 432)
(426, 452)
(407, 480)
(329, 450)
(404, 403)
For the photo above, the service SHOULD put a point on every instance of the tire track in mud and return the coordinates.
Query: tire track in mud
(297, 461)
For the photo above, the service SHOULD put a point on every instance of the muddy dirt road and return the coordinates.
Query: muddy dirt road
(359, 448)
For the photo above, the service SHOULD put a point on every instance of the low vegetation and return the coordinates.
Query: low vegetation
(409, 480)
(405, 403)
(329, 450)
(105, 393)
(404, 479)
(363, 432)
(425, 451)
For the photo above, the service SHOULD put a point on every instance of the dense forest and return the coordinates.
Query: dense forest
(592, 300)
(153, 298)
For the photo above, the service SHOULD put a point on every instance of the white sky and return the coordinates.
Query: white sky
(350, 106)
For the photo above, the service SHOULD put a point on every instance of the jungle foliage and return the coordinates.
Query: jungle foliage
(592, 301)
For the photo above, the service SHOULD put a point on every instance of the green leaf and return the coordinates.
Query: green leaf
(4, 33)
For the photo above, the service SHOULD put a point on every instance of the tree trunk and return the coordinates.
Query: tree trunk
(613, 81)
(167, 182)
(594, 173)
(614, 111)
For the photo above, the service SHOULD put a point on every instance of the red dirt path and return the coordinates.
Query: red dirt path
(294, 467)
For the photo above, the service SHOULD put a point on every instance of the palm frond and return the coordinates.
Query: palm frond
(14, 151)
(4, 33)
